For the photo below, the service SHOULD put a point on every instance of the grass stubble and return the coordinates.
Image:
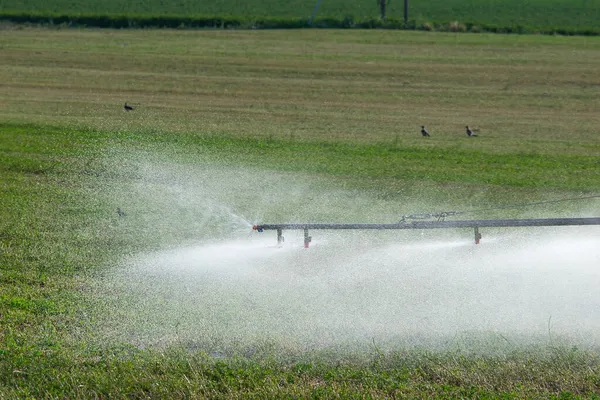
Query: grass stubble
(232, 128)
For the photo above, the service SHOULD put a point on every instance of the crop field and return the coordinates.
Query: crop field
(570, 15)
(178, 298)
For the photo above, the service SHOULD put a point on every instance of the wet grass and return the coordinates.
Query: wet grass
(59, 230)
(175, 374)
(343, 107)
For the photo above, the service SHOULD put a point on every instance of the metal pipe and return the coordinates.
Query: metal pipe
(483, 223)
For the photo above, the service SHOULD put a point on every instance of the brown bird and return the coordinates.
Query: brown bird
(127, 107)
(470, 131)
(424, 131)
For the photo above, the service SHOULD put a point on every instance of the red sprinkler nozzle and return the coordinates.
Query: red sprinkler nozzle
(307, 239)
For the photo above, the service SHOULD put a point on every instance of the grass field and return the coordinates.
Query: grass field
(559, 14)
(231, 128)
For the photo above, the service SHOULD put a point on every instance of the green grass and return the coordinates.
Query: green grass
(341, 109)
(174, 374)
(557, 14)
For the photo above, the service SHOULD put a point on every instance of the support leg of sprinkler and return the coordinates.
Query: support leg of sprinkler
(279, 237)
(307, 239)
(477, 235)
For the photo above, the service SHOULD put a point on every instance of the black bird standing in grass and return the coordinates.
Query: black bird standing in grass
(120, 213)
(470, 131)
(127, 107)
(424, 131)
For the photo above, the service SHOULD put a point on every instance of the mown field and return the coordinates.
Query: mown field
(341, 109)
(570, 16)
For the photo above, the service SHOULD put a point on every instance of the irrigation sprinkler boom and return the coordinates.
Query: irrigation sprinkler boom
(439, 224)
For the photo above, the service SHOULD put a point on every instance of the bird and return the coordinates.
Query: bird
(424, 131)
(127, 107)
(470, 131)
(120, 212)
